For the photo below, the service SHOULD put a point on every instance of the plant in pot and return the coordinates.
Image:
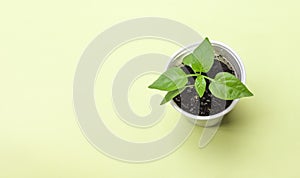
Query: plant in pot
(204, 81)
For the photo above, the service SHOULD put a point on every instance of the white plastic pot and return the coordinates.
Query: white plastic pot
(234, 61)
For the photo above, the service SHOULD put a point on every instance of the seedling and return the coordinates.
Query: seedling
(224, 85)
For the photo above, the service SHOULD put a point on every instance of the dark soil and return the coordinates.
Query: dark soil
(189, 99)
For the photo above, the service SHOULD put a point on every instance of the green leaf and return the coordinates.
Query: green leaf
(205, 55)
(170, 95)
(200, 85)
(173, 79)
(192, 61)
(226, 86)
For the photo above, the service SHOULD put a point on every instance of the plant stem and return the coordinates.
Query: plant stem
(192, 75)
(186, 87)
(208, 78)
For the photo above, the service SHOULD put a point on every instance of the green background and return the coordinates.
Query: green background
(41, 43)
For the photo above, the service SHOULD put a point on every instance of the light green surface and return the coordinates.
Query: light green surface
(41, 43)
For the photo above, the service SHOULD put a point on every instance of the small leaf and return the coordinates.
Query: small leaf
(192, 61)
(200, 85)
(226, 86)
(205, 54)
(170, 95)
(170, 80)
